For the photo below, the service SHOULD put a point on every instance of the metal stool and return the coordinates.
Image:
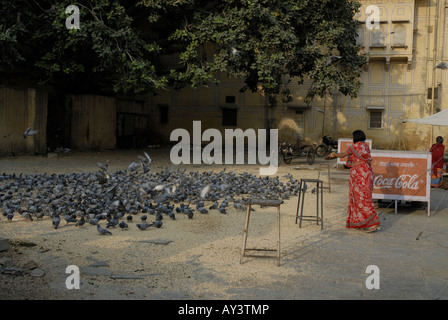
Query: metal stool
(329, 177)
(319, 189)
(267, 203)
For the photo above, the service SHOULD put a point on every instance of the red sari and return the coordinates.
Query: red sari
(437, 151)
(361, 212)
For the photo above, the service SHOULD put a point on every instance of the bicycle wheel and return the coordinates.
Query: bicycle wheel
(280, 157)
(322, 150)
(311, 155)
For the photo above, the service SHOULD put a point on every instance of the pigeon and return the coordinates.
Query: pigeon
(102, 177)
(143, 226)
(27, 216)
(81, 222)
(143, 218)
(101, 230)
(129, 218)
(305, 187)
(29, 132)
(123, 225)
(159, 216)
(146, 161)
(94, 221)
(55, 221)
(39, 215)
(112, 223)
(10, 215)
(234, 51)
(442, 66)
(222, 210)
(133, 166)
(205, 191)
(172, 215)
(214, 206)
(202, 210)
(332, 59)
(157, 223)
(103, 166)
(69, 218)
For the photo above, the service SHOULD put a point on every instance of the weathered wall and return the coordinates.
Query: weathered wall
(93, 125)
(21, 108)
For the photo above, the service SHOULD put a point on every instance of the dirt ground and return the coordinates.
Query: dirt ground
(195, 258)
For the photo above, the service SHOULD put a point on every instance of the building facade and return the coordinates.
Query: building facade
(404, 42)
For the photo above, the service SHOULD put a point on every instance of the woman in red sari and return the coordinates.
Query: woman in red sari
(361, 212)
(437, 150)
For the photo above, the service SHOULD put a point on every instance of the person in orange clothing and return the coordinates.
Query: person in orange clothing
(437, 150)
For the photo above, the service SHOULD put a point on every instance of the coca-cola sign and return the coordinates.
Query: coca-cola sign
(401, 175)
(403, 182)
(344, 144)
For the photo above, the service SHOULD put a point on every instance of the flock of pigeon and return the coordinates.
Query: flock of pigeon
(109, 200)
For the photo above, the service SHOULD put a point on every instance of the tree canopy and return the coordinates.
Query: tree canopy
(266, 43)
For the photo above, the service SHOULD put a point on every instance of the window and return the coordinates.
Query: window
(163, 114)
(230, 99)
(229, 117)
(399, 36)
(376, 119)
(436, 93)
(360, 36)
(378, 38)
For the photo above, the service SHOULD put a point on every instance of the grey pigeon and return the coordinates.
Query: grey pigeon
(27, 216)
(29, 132)
(202, 210)
(442, 66)
(123, 225)
(143, 226)
(81, 222)
(101, 230)
(55, 221)
(214, 206)
(103, 166)
(222, 210)
(332, 59)
(133, 166)
(112, 222)
(157, 223)
(70, 218)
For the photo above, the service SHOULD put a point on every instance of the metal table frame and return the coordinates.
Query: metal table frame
(267, 203)
(301, 200)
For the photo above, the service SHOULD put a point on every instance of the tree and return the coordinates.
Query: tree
(118, 45)
(107, 52)
(265, 41)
